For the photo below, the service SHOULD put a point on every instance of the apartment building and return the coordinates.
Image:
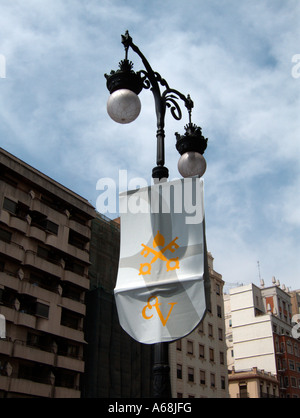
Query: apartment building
(295, 301)
(198, 362)
(116, 365)
(258, 334)
(44, 260)
(253, 383)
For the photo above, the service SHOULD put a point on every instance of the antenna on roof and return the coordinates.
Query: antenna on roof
(262, 283)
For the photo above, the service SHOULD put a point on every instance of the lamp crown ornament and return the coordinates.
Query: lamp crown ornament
(191, 140)
(124, 78)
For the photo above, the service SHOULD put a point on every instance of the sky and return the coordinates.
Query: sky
(239, 61)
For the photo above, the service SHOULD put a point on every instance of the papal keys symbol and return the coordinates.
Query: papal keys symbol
(159, 241)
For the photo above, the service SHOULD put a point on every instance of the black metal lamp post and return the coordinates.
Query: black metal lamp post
(124, 106)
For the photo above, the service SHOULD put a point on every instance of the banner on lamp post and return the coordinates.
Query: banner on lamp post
(162, 288)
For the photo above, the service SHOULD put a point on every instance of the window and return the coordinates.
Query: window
(217, 288)
(77, 240)
(74, 267)
(179, 371)
(43, 252)
(219, 311)
(291, 365)
(178, 345)
(211, 354)
(220, 333)
(5, 235)
(221, 357)
(289, 347)
(69, 319)
(212, 380)
(202, 377)
(190, 347)
(210, 330)
(10, 205)
(39, 220)
(243, 390)
(286, 382)
(223, 382)
(201, 351)
(42, 310)
(201, 328)
(293, 382)
(50, 227)
(190, 374)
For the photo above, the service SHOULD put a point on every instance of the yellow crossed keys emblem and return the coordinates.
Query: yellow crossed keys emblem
(156, 305)
(159, 240)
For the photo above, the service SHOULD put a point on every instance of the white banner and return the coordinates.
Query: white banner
(162, 279)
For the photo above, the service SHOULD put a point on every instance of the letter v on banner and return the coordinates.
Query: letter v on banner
(162, 289)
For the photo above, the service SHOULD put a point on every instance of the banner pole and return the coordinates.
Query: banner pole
(161, 371)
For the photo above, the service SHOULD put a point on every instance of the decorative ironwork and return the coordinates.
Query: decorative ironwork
(192, 140)
(125, 77)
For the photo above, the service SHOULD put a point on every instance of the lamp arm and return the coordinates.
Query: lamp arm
(167, 99)
(160, 103)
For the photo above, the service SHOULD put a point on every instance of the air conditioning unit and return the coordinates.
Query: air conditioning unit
(2, 326)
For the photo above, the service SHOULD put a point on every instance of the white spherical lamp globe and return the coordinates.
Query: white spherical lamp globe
(123, 106)
(191, 164)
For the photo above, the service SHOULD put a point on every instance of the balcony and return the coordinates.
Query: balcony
(18, 224)
(4, 383)
(35, 291)
(77, 279)
(72, 334)
(37, 233)
(80, 229)
(60, 392)
(26, 320)
(9, 280)
(6, 347)
(9, 312)
(31, 388)
(73, 305)
(33, 260)
(23, 351)
(12, 250)
(70, 363)
(78, 253)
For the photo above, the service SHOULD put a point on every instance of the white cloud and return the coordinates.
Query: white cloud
(234, 60)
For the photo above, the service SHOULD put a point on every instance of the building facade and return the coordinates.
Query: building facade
(198, 362)
(295, 301)
(116, 365)
(258, 327)
(253, 383)
(44, 259)
(287, 351)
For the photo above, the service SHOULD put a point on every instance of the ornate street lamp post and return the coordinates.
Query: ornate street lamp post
(124, 106)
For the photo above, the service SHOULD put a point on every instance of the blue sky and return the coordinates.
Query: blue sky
(234, 58)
